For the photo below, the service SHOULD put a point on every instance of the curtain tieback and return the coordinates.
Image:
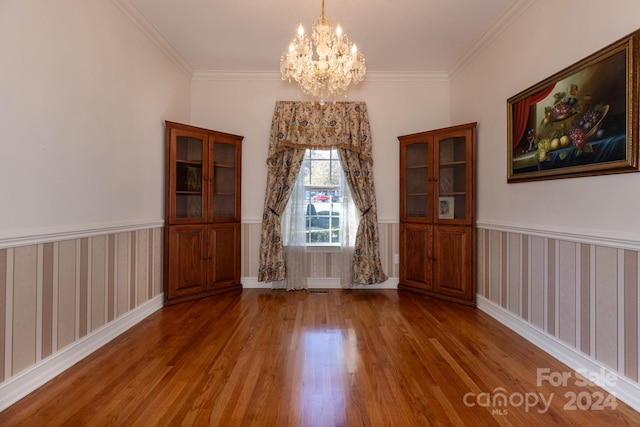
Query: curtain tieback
(366, 211)
(274, 212)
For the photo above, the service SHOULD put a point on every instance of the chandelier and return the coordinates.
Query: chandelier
(338, 62)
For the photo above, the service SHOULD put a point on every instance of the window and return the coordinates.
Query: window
(323, 201)
(320, 211)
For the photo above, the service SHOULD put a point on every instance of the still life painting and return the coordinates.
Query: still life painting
(581, 121)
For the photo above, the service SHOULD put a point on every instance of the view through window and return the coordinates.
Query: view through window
(323, 198)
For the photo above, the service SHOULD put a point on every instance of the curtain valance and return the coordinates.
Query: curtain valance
(306, 125)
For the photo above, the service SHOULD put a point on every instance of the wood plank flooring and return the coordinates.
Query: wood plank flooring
(346, 358)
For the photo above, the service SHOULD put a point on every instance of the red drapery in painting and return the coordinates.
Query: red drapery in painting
(521, 113)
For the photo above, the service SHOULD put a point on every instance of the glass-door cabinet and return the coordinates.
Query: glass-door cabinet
(437, 213)
(202, 218)
(203, 175)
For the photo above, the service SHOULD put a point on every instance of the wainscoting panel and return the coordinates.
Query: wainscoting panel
(54, 294)
(583, 294)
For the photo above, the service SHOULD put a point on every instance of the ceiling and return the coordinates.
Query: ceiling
(394, 35)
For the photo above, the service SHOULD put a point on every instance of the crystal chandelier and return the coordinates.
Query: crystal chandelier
(338, 65)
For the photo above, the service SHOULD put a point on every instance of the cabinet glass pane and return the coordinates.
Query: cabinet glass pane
(224, 180)
(188, 185)
(188, 177)
(416, 197)
(452, 178)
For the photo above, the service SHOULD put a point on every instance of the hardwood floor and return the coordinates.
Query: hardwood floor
(346, 358)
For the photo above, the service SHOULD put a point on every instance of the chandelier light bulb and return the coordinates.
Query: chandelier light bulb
(332, 70)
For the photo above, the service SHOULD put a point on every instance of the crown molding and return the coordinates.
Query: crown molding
(235, 75)
(408, 76)
(134, 14)
(380, 76)
(503, 22)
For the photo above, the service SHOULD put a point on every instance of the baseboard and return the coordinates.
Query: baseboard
(25, 382)
(252, 283)
(322, 283)
(621, 387)
(390, 283)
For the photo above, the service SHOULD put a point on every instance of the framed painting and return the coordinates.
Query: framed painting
(446, 207)
(581, 121)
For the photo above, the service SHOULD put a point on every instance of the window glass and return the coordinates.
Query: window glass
(323, 201)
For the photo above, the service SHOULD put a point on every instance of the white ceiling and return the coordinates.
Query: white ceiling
(394, 35)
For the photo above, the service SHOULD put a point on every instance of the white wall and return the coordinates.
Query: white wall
(557, 259)
(83, 93)
(397, 105)
(549, 36)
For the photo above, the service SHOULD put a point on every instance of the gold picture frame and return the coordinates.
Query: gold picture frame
(581, 121)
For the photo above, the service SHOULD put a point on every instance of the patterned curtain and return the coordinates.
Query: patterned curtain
(297, 126)
(367, 267)
(283, 170)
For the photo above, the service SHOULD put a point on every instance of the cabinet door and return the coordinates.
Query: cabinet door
(453, 262)
(416, 267)
(187, 155)
(187, 264)
(225, 188)
(224, 255)
(454, 157)
(416, 184)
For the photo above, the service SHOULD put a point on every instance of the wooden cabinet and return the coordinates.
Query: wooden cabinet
(437, 213)
(202, 212)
